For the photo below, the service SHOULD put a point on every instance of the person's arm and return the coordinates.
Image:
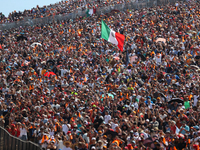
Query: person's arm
(34, 133)
(120, 140)
(181, 130)
(40, 137)
(26, 128)
(51, 146)
(141, 121)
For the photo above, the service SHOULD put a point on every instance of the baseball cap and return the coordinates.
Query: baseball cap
(93, 138)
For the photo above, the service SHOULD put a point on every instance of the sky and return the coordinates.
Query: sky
(8, 6)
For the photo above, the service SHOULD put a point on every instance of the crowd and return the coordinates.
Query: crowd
(60, 8)
(63, 87)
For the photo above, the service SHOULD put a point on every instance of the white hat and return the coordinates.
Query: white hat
(93, 138)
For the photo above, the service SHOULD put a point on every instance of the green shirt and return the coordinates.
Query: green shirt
(187, 104)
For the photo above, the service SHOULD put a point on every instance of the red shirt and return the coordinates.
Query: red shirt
(173, 128)
(9, 130)
(13, 131)
(18, 132)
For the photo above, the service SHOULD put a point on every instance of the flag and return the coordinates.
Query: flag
(90, 12)
(112, 36)
(87, 13)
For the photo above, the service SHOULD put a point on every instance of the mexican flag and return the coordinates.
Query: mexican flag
(90, 12)
(112, 36)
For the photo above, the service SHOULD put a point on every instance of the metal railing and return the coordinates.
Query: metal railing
(9, 142)
(135, 4)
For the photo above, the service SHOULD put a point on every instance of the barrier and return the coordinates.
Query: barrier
(9, 142)
(134, 4)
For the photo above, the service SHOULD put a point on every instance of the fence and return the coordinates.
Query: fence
(9, 142)
(135, 4)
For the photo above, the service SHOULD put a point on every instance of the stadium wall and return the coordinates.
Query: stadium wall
(134, 4)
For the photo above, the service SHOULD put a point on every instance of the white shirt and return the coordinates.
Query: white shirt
(65, 128)
(60, 145)
(44, 145)
(23, 132)
(163, 116)
(158, 58)
(196, 99)
(113, 126)
(135, 105)
(66, 148)
(63, 71)
(51, 133)
(36, 132)
(19, 73)
(107, 118)
(86, 138)
(145, 135)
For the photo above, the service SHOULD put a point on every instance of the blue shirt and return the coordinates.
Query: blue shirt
(183, 131)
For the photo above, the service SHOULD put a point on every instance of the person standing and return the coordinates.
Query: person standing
(23, 132)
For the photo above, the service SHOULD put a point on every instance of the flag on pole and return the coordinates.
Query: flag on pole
(90, 12)
(87, 13)
(127, 58)
(112, 36)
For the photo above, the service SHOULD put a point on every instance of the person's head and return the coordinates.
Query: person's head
(198, 133)
(106, 113)
(181, 111)
(173, 123)
(133, 142)
(154, 118)
(104, 147)
(175, 104)
(67, 143)
(116, 120)
(93, 148)
(93, 140)
(183, 123)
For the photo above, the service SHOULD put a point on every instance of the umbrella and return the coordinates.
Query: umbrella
(51, 61)
(149, 143)
(161, 40)
(142, 57)
(49, 73)
(21, 37)
(109, 94)
(59, 66)
(111, 132)
(163, 96)
(36, 43)
(176, 100)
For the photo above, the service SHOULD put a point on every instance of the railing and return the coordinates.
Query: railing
(9, 142)
(134, 4)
